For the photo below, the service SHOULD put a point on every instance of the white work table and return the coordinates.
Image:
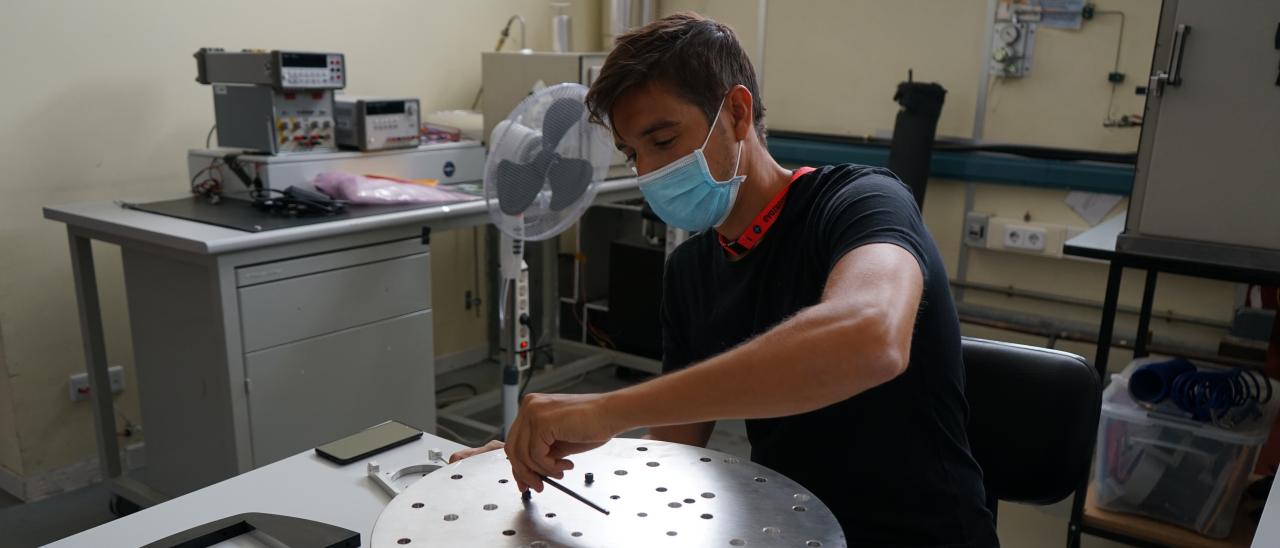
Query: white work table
(110, 220)
(1268, 533)
(304, 486)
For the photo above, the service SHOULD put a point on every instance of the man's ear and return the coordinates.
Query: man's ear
(740, 107)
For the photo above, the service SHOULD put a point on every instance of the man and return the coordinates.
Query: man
(812, 303)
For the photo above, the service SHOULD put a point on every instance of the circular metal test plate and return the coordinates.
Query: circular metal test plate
(658, 494)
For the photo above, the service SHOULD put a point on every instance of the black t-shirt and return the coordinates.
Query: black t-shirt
(892, 463)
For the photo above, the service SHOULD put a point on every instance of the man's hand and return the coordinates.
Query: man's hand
(551, 427)
(468, 453)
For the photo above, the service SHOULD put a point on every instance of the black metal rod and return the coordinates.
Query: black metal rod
(1144, 317)
(570, 492)
(1115, 275)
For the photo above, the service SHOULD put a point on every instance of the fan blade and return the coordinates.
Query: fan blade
(559, 118)
(569, 178)
(518, 185)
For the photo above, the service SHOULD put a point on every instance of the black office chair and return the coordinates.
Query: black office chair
(1033, 416)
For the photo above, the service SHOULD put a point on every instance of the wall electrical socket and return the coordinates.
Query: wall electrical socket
(78, 385)
(1024, 237)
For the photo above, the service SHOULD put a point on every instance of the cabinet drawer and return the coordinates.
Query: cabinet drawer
(314, 264)
(297, 308)
(315, 391)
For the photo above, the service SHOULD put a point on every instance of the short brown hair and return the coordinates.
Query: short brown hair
(699, 58)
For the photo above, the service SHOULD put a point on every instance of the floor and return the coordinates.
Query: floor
(41, 522)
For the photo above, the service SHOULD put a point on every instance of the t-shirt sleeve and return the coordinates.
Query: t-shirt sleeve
(675, 347)
(872, 209)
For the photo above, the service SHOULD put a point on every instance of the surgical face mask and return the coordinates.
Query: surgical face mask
(685, 194)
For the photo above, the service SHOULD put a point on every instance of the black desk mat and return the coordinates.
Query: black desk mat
(241, 215)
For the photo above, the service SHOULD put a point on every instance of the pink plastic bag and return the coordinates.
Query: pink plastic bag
(358, 189)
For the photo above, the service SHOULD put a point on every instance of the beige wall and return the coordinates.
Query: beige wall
(831, 66)
(100, 103)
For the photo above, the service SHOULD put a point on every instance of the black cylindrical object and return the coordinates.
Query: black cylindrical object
(913, 133)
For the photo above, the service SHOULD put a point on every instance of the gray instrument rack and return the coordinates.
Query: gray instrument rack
(279, 69)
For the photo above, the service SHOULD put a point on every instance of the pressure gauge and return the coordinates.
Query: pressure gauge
(1008, 33)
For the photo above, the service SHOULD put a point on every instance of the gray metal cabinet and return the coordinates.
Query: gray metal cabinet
(1208, 177)
(250, 357)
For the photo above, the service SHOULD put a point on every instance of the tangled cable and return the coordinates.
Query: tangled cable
(1208, 396)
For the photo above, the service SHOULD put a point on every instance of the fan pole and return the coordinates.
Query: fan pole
(515, 280)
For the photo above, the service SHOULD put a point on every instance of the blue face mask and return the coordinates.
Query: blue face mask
(685, 194)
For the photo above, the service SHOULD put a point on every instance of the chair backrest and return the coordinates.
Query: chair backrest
(1033, 417)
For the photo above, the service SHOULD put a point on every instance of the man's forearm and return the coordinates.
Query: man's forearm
(823, 355)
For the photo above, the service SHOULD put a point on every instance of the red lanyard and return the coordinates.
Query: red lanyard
(763, 221)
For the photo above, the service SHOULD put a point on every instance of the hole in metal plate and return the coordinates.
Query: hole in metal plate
(772, 530)
(708, 495)
(706, 516)
(689, 501)
(674, 504)
(451, 517)
(418, 505)
(539, 544)
(576, 534)
(737, 542)
(456, 476)
(671, 533)
(491, 507)
(502, 481)
(509, 532)
(642, 448)
(661, 489)
(705, 459)
(403, 541)
(620, 472)
(651, 464)
(799, 508)
(642, 514)
(551, 515)
(614, 497)
(760, 479)
(814, 544)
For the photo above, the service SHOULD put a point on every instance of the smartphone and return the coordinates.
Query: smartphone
(368, 442)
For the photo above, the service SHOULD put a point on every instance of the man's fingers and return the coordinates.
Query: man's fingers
(534, 453)
(517, 440)
(563, 466)
(527, 477)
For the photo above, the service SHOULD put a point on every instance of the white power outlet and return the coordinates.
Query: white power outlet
(1024, 237)
(78, 386)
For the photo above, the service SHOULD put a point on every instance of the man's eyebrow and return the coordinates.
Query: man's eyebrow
(656, 126)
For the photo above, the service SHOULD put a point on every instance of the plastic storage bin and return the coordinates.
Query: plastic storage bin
(1157, 463)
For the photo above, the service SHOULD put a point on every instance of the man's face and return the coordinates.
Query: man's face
(653, 127)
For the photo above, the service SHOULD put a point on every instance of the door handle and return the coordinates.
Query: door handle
(1172, 74)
